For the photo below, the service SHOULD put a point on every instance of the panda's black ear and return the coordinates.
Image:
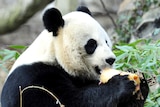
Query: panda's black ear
(53, 20)
(84, 9)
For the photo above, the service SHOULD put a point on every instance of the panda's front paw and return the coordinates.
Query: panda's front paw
(125, 88)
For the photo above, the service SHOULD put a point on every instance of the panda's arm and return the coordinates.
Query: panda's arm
(112, 94)
(134, 102)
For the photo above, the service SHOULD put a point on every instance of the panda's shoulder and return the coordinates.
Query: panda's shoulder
(38, 71)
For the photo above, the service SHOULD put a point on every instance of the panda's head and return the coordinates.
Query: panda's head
(75, 41)
(82, 47)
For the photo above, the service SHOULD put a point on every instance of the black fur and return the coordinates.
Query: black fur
(91, 46)
(84, 9)
(71, 91)
(53, 20)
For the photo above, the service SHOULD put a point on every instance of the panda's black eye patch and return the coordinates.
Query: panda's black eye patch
(91, 46)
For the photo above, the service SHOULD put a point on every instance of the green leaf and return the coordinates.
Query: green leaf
(116, 66)
(137, 57)
(158, 78)
(17, 47)
(136, 42)
(9, 56)
(17, 55)
(125, 48)
(156, 32)
(122, 56)
(149, 103)
(129, 57)
(158, 101)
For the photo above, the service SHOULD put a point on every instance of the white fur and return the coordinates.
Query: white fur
(68, 47)
(79, 28)
(42, 49)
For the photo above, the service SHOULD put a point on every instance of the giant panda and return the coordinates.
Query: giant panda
(66, 60)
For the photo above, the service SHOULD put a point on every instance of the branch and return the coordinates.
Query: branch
(107, 12)
(42, 89)
(14, 16)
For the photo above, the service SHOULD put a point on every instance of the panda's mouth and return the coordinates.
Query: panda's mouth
(98, 70)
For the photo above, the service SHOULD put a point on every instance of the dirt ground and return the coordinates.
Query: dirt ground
(3, 76)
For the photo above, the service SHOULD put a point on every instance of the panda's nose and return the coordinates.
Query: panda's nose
(110, 61)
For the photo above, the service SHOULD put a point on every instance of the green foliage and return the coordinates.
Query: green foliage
(153, 99)
(10, 54)
(141, 55)
(144, 56)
